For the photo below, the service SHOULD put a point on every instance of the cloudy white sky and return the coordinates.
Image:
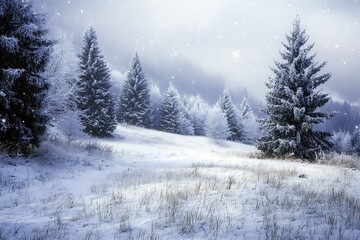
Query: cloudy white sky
(202, 45)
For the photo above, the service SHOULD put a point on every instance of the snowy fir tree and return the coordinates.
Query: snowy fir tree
(134, 108)
(355, 141)
(62, 73)
(235, 125)
(172, 117)
(94, 98)
(216, 124)
(249, 121)
(342, 142)
(24, 52)
(292, 101)
(186, 126)
(196, 109)
(170, 111)
(245, 109)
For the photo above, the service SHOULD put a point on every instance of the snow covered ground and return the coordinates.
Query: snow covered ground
(144, 184)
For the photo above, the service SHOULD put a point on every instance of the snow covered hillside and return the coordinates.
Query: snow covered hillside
(145, 184)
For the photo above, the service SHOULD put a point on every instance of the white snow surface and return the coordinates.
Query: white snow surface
(145, 184)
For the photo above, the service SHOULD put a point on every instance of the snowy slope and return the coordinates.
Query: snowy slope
(145, 184)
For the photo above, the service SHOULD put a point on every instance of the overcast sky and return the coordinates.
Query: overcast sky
(200, 45)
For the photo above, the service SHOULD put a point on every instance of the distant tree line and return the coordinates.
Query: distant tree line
(346, 119)
(170, 112)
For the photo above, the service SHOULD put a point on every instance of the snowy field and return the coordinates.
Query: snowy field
(144, 184)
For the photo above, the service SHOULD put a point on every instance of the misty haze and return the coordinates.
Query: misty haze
(231, 43)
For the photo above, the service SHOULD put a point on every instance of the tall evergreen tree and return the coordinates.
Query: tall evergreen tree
(173, 118)
(342, 142)
(135, 97)
(245, 109)
(197, 109)
(216, 123)
(24, 52)
(94, 98)
(292, 101)
(249, 121)
(186, 126)
(236, 128)
(62, 73)
(355, 141)
(170, 111)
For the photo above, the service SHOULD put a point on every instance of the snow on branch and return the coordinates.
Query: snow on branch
(13, 73)
(9, 43)
(28, 30)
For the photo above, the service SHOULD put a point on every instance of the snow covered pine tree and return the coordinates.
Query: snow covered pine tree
(249, 121)
(216, 123)
(94, 98)
(355, 141)
(170, 111)
(135, 97)
(24, 52)
(173, 119)
(236, 128)
(292, 101)
(62, 72)
(197, 110)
